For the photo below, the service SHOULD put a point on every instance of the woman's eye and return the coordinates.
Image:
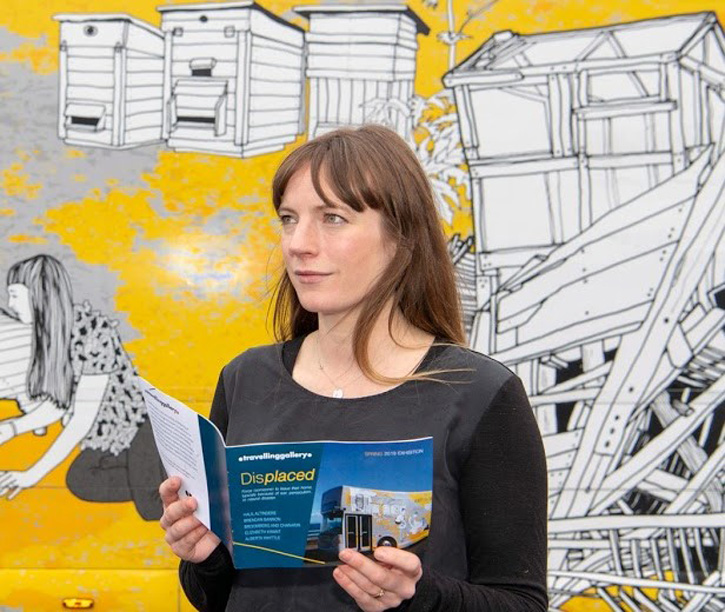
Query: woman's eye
(286, 219)
(334, 219)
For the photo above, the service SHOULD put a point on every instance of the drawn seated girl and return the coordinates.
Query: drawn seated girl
(79, 374)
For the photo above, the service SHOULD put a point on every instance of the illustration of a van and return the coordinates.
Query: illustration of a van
(363, 519)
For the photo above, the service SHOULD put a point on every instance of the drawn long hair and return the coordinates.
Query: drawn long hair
(372, 167)
(50, 376)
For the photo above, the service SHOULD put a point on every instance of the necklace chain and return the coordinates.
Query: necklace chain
(337, 390)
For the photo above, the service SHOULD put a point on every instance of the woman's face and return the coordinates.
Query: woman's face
(19, 302)
(333, 254)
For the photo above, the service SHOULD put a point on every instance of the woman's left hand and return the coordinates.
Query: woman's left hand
(12, 483)
(379, 584)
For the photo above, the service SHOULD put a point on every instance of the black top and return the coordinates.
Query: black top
(487, 545)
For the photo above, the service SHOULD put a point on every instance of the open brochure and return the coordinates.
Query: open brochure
(295, 504)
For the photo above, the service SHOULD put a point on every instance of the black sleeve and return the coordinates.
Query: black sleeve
(504, 505)
(207, 584)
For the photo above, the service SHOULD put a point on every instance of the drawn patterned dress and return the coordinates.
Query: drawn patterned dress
(96, 348)
(118, 459)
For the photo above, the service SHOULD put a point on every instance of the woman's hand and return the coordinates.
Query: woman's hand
(187, 537)
(381, 584)
(12, 483)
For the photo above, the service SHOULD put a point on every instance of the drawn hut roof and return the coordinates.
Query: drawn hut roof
(307, 10)
(96, 17)
(222, 6)
(507, 54)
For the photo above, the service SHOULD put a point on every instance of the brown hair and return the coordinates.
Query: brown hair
(372, 167)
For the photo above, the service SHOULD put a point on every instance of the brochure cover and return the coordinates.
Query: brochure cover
(295, 504)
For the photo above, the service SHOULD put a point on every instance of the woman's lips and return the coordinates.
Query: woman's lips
(309, 277)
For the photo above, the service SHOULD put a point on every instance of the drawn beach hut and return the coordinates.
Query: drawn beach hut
(597, 160)
(110, 91)
(233, 78)
(361, 63)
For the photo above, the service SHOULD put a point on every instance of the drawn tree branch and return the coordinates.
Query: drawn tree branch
(452, 36)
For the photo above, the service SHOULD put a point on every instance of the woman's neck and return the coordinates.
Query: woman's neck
(326, 362)
(335, 342)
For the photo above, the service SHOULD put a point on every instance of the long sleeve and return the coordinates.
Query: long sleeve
(503, 502)
(207, 584)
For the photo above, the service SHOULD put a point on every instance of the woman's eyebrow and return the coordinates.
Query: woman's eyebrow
(322, 206)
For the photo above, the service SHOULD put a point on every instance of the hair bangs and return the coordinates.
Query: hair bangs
(372, 167)
(19, 274)
(339, 168)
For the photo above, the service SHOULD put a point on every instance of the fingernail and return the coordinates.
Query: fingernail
(345, 554)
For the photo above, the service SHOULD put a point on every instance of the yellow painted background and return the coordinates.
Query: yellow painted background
(188, 322)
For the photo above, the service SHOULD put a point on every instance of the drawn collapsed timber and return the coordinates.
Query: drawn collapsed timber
(606, 149)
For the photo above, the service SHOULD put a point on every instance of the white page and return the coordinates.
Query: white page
(178, 439)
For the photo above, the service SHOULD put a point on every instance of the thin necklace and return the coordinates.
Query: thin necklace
(337, 391)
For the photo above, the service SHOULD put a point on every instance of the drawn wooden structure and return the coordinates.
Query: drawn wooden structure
(15, 351)
(111, 85)
(361, 63)
(233, 78)
(597, 159)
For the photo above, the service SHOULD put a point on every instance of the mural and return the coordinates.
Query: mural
(578, 159)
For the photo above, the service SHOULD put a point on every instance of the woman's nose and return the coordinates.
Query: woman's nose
(304, 239)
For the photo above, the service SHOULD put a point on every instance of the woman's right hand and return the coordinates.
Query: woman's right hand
(185, 534)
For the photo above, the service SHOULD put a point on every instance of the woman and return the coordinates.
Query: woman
(371, 349)
(79, 374)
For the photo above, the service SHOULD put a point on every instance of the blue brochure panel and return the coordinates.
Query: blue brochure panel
(271, 489)
(215, 463)
(299, 504)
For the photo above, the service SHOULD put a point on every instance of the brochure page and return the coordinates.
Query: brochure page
(192, 448)
(178, 440)
(296, 504)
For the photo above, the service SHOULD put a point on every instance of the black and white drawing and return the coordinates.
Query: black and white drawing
(597, 164)
(361, 65)
(110, 81)
(229, 78)
(233, 79)
(221, 78)
(64, 362)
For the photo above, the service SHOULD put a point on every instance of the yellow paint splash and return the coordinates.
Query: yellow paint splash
(15, 183)
(27, 239)
(71, 153)
(24, 155)
(39, 57)
(197, 295)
